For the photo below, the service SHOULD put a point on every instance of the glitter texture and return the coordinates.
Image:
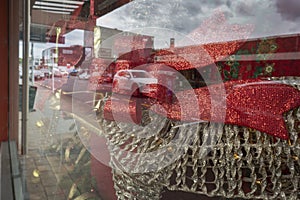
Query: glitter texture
(251, 103)
(228, 161)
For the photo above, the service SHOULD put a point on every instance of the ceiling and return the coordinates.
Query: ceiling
(65, 7)
(46, 15)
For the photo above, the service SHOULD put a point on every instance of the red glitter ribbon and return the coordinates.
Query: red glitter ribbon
(255, 104)
(122, 110)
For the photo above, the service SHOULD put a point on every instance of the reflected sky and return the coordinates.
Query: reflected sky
(164, 19)
(268, 17)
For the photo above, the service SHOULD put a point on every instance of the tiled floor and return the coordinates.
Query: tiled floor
(51, 169)
(49, 176)
(43, 174)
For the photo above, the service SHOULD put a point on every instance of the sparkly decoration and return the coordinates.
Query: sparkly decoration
(253, 103)
(251, 152)
(216, 29)
(269, 69)
(270, 57)
(236, 60)
(266, 47)
(234, 65)
(183, 58)
(295, 158)
(218, 159)
(40, 123)
(124, 110)
(236, 156)
(128, 42)
(36, 173)
(155, 143)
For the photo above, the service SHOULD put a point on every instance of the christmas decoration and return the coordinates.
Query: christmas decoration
(252, 151)
(253, 104)
(203, 157)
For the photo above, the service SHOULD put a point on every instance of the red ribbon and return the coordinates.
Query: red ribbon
(255, 104)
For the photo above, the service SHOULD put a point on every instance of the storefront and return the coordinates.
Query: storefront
(160, 99)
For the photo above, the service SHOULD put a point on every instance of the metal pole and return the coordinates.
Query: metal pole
(25, 88)
(33, 68)
(53, 72)
(55, 57)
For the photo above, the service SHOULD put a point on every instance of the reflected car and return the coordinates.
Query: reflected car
(64, 72)
(84, 76)
(57, 73)
(46, 72)
(133, 82)
(73, 72)
(38, 74)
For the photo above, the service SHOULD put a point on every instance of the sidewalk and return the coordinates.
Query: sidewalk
(55, 167)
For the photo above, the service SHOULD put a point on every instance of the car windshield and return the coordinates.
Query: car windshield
(140, 75)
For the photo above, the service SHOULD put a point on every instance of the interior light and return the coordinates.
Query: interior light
(55, 4)
(52, 8)
(66, 1)
(57, 12)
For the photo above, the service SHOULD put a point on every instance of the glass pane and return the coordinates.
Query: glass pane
(210, 111)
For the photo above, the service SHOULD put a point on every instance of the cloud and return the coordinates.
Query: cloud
(289, 9)
(185, 16)
(178, 15)
(245, 8)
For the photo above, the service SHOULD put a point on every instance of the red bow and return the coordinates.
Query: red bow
(255, 104)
